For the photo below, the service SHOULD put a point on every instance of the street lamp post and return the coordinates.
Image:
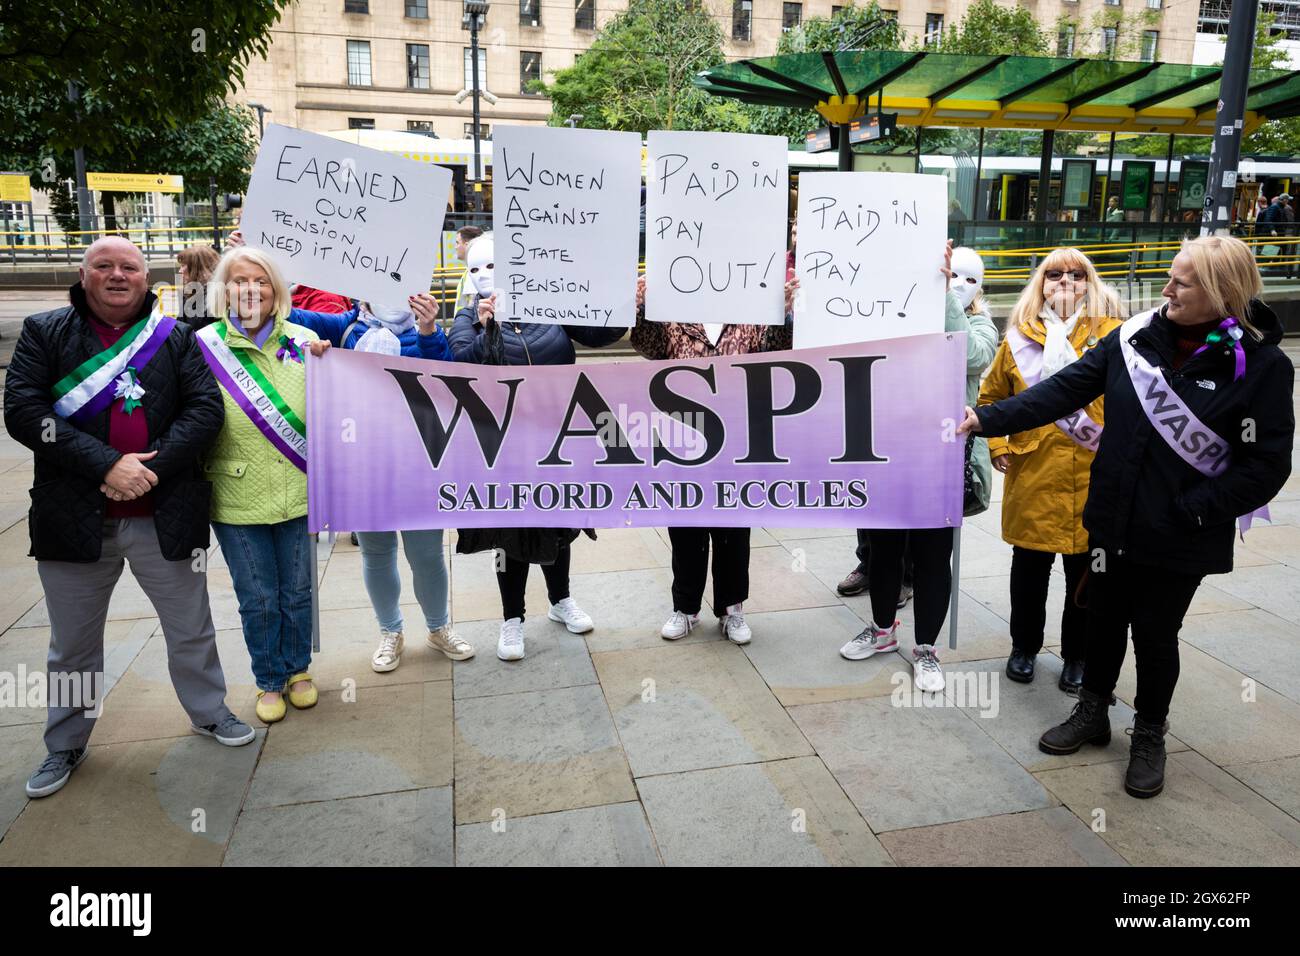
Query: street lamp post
(475, 14)
(261, 111)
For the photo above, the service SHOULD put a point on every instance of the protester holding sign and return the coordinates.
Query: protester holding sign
(676, 340)
(258, 468)
(114, 400)
(476, 336)
(1198, 436)
(1064, 311)
(930, 548)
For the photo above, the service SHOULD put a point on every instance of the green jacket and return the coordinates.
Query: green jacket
(252, 483)
(981, 346)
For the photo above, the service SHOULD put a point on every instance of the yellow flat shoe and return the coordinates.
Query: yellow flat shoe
(302, 699)
(269, 713)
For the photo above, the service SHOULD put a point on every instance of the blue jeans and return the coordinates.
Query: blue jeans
(383, 584)
(271, 570)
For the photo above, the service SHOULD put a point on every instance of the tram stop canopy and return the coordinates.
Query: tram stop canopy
(1002, 92)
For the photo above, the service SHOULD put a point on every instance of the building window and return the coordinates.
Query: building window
(420, 126)
(1108, 38)
(1150, 40)
(417, 9)
(835, 11)
(417, 66)
(482, 131)
(358, 63)
(742, 15)
(791, 16)
(584, 14)
(360, 122)
(1065, 40)
(530, 13)
(356, 6)
(933, 27)
(890, 15)
(1153, 4)
(1112, 3)
(482, 70)
(530, 69)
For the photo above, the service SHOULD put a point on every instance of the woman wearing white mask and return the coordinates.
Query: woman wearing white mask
(1064, 311)
(414, 333)
(477, 336)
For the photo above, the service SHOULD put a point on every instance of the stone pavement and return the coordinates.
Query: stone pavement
(621, 748)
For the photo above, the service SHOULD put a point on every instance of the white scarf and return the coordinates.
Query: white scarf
(1057, 350)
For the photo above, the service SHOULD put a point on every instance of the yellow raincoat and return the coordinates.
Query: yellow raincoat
(1046, 484)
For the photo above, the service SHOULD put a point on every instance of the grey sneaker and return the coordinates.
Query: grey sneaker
(231, 731)
(54, 772)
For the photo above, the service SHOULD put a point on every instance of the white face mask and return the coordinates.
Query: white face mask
(480, 265)
(969, 278)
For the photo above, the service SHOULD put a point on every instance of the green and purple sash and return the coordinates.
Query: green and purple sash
(93, 385)
(256, 397)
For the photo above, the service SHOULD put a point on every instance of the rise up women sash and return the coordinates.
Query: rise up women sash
(1028, 356)
(256, 397)
(1194, 441)
(92, 387)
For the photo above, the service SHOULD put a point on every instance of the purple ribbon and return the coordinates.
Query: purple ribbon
(289, 349)
(1229, 328)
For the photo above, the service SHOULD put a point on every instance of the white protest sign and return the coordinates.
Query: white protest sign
(868, 257)
(716, 206)
(566, 210)
(344, 218)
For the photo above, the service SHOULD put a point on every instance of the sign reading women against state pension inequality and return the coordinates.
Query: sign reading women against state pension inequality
(340, 217)
(715, 223)
(868, 257)
(566, 210)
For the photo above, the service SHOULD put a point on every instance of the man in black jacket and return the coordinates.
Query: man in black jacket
(117, 404)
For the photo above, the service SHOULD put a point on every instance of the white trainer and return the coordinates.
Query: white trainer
(510, 645)
(455, 647)
(571, 616)
(733, 625)
(925, 668)
(873, 640)
(679, 625)
(389, 653)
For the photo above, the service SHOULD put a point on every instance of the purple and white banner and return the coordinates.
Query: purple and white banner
(855, 436)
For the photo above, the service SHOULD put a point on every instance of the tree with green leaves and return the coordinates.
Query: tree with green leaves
(990, 29)
(637, 73)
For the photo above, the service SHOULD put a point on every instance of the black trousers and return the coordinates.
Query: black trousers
(1031, 573)
(1151, 600)
(691, 564)
(513, 581)
(863, 553)
(931, 550)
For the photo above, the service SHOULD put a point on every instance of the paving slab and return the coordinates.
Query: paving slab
(554, 658)
(168, 802)
(692, 707)
(910, 766)
(780, 813)
(518, 755)
(348, 640)
(1204, 817)
(780, 581)
(474, 592)
(388, 738)
(615, 835)
(410, 828)
(1050, 837)
(629, 609)
(1277, 781)
(1256, 643)
(22, 748)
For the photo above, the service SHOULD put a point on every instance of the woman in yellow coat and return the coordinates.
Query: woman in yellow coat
(1064, 311)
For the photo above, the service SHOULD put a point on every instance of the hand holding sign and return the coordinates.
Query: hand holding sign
(344, 218)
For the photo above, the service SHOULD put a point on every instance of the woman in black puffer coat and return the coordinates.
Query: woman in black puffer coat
(477, 337)
(1183, 383)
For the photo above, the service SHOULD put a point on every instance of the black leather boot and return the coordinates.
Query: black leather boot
(1088, 723)
(1020, 666)
(1146, 761)
(1071, 677)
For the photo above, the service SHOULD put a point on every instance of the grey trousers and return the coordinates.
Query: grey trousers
(77, 597)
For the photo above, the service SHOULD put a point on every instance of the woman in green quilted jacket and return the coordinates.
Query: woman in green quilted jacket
(258, 470)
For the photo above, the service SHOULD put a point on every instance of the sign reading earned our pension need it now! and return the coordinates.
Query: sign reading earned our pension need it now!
(340, 217)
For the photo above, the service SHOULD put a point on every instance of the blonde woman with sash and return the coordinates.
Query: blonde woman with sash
(258, 470)
(1064, 311)
(1197, 440)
